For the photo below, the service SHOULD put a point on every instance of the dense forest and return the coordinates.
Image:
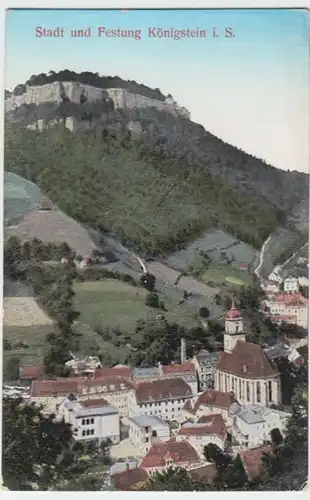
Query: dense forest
(148, 199)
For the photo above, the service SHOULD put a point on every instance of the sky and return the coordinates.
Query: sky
(251, 90)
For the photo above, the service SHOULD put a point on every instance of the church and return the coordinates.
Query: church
(243, 367)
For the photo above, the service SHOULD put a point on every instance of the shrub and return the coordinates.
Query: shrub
(152, 300)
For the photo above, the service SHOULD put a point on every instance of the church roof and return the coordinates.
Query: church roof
(246, 360)
(233, 313)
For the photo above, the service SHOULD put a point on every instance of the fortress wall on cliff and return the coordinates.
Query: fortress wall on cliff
(121, 98)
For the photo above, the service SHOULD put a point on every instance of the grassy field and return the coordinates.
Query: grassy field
(111, 303)
(221, 273)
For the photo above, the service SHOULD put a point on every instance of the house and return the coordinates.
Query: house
(205, 363)
(270, 287)
(244, 369)
(210, 429)
(252, 461)
(290, 284)
(216, 402)
(123, 371)
(290, 304)
(170, 454)
(184, 371)
(114, 389)
(86, 366)
(31, 372)
(129, 479)
(92, 419)
(145, 430)
(163, 398)
(252, 425)
(50, 393)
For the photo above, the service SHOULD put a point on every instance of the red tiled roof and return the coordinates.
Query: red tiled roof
(119, 383)
(178, 368)
(214, 424)
(219, 399)
(252, 460)
(247, 360)
(58, 387)
(295, 299)
(31, 372)
(162, 389)
(234, 313)
(121, 371)
(93, 403)
(206, 472)
(126, 479)
(180, 452)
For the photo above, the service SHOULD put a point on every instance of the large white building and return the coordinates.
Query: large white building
(291, 284)
(91, 419)
(145, 431)
(252, 425)
(115, 390)
(163, 398)
(244, 368)
(290, 307)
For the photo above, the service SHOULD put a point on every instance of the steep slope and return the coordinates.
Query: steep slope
(143, 171)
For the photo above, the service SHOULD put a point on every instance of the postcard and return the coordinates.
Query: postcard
(156, 250)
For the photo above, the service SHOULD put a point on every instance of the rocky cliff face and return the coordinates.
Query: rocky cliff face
(72, 91)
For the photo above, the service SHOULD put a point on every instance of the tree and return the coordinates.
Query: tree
(276, 437)
(173, 479)
(152, 300)
(148, 280)
(214, 454)
(204, 312)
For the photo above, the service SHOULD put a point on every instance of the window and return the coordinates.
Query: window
(258, 393)
(87, 421)
(248, 390)
(92, 431)
(92, 420)
(83, 421)
(269, 391)
(146, 439)
(88, 432)
(83, 433)
(232, 383)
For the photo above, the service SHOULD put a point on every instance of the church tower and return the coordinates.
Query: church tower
(233, 328)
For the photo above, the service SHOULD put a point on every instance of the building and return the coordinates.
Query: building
(211, 429)
(148, 373)
(291, 305)
(91, 420)
(86, 366)
(170, 454)
(123, 371)
(212, 402)
(50, 393)
(129, 479)
(303, 281)
(244, 368)
(163, 398)
(115, 390)
(184, 371)
(205, 363)
(290, 284)
(252, 425)
(31, 372)
(252, 461)
(145, 431)
(270, 287)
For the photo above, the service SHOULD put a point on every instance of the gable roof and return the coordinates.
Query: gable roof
(219, 399)
(252, 460)
(108, 384)
(128, 478)
(178, 368)
(58, 387)
(295, 299)
(180, 452)
(211, 424)
(119, 371)
(31, 372)
(247, 360)
(162, 389)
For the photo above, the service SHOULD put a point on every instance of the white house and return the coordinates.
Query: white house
(162, 398)
(292, 304)
(205, 363)
(244, 368)
(270, 287)
(210, 429)
(115, 390)
(253, 424)
(290, 284)
(91, 419)
(145, 431)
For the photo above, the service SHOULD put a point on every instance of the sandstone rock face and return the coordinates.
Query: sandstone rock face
(121, 98)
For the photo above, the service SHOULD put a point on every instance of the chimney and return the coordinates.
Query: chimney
(183, 351)
(244, 368)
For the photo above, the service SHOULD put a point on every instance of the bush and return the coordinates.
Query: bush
(204, 312)
(152, 300)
